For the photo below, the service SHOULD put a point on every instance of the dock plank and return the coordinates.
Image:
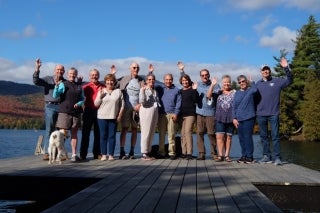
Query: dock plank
(165, 185)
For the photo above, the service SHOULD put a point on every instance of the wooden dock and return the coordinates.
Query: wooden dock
(165, 185)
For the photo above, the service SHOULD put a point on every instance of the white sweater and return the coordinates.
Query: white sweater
(110, 105)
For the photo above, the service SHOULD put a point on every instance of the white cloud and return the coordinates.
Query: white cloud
(22, 73)
(260, 27)
(281, 38)
(28, 32)
(253, 5)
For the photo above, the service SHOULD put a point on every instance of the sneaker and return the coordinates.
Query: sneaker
(122, 156)
(103, 158)
(111, 158)
(75, 158)
(265, 159)
(131, 155)
(277, 162)
(249, 160)
(242, 160)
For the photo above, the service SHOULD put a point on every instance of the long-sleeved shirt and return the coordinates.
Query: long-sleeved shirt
(244, 107)
(204, 107)
(170, 99)
(110, 105)
(90, 91)
(268, 98)
(71, 93)
(189, 100)
(48, 84)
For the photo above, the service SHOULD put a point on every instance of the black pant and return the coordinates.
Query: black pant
(89, 118)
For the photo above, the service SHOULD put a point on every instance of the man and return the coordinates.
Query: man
(130, 86)
(170, 98)
(51, 104)
(268, 109)
(89, 116)
(205, 113)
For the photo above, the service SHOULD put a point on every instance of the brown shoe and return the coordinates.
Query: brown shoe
(45, 156)
(201, 156)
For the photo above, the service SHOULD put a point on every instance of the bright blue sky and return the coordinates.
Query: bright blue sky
(227, 37)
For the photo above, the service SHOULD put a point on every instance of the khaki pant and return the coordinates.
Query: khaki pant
(206, 123)
(166, 124)
(186, 134)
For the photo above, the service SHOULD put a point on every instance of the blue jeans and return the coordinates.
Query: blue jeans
(245, 130)
(89, 119)
(273, 121)
(108, 128)
(51, 115)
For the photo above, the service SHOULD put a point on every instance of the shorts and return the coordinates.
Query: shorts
(127, 119)
(68, 121)
(224, 128)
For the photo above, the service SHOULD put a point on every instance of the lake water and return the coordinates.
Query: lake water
(17, 143)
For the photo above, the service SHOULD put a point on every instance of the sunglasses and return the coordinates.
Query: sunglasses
(135, 67)
(151, 79)
(204, 75)
(243, 81)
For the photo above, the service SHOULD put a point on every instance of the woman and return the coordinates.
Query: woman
(70, 109)
(148, 99)
(223, 117)
(244, 116)
(189, 99)
(110, 105)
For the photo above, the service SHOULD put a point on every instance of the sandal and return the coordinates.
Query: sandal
(219, 159)
(228, 159)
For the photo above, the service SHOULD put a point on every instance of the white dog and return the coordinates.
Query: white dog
(56, 141)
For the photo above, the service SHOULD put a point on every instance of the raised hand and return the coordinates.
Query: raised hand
(113, 69)
(284, 62)
(180, 66)
(38, 64)
(151, 68)
(214, 80)
(194, 85)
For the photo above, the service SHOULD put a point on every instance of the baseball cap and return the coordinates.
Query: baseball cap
(264, 66)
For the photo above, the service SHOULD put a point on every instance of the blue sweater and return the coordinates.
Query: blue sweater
(243, 107)
(203, 108)
(170, 99)
(268, 98)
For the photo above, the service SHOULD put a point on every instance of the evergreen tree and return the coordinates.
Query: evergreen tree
(305, 65)
(311, 105)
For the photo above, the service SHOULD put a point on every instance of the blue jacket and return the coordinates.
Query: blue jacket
(268, 97)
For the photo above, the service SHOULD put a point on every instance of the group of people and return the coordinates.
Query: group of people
(134, 101)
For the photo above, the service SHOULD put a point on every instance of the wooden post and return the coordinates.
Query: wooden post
(39, 149)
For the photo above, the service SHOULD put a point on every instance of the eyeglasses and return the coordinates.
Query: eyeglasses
(204, 75)
(151, 79)
(243, 81)
(135, 67)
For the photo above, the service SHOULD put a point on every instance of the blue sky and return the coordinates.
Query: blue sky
(227, 37)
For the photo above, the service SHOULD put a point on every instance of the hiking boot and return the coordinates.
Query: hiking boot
(265, 159)
(277, 162)
(242, 160)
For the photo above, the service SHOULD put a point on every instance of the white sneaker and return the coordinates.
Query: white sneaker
(277, 162)
(265, 159)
